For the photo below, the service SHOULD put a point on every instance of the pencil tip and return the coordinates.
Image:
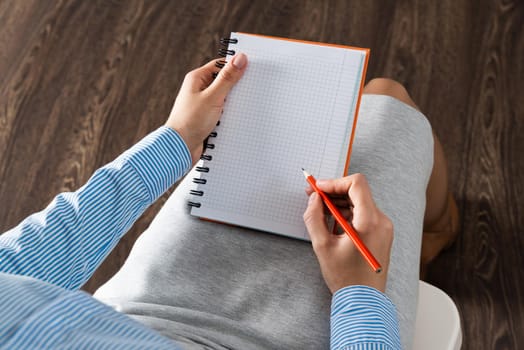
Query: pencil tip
(302, 169)
(306, 174)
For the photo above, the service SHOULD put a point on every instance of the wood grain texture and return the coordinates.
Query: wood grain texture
(81, 81)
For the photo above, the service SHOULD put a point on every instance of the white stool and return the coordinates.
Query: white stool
(438, 321)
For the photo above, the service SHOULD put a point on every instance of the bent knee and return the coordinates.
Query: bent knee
(389, 87)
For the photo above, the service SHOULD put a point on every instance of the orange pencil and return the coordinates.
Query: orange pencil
(350, 231)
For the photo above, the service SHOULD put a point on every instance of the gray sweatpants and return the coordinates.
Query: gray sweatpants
(209, 285)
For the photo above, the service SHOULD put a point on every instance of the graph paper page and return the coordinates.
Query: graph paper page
(293, 108)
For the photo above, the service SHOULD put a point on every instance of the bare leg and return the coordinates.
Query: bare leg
(441, 215)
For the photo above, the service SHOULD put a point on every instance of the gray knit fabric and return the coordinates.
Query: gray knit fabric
(213, 286)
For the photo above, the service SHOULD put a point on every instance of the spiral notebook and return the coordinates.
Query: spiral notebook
(295, 107)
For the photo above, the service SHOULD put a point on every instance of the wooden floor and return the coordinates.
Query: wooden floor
(80, 81)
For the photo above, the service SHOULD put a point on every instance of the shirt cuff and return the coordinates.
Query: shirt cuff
(362, 316)
(160, 159)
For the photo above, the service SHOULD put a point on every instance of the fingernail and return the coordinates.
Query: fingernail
(312, 197)
(321, 182)
(239, 61)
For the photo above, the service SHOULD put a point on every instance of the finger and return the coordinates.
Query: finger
(337, 199)
(336, 186)
(200, 78)
(341, 202)
(340, 185)
(315, 220)
(228, 77)
(309, 190)
(356, 184)
(360, 194)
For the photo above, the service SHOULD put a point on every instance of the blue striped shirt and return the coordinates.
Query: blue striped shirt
(51, 254)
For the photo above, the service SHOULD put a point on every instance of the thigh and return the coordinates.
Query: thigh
(394, 149)
(226, 286)
(220, 285)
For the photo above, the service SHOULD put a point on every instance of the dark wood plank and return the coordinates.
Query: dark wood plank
(81, 81)
(482, 271)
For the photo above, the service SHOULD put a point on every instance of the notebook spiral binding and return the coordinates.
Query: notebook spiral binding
(222, 52)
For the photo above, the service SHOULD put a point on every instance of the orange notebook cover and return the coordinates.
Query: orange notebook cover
(295, 107)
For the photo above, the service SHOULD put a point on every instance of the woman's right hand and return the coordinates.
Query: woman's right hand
(341, 263)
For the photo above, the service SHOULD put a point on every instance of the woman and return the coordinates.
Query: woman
(207, 285)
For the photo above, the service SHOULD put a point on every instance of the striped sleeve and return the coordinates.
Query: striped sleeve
(37, 315)
(363, 318)
(67, 241)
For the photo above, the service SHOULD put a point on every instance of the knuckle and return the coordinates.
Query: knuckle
(359, 179)
(371, 222)
(374, 222)
(385, 227)
(227, 75)
(388, 228)
(190, 76)
(388, 224)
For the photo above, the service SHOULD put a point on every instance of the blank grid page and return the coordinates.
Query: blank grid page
(293, 108)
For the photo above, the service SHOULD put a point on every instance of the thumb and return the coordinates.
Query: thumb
(228, 76)
(315, 220)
